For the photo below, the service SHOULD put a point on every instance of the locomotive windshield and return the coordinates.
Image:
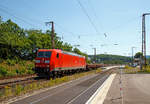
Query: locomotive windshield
(46, 54)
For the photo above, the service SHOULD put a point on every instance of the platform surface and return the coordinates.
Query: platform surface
(135, 88)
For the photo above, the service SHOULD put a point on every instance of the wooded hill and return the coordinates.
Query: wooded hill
(110, 59)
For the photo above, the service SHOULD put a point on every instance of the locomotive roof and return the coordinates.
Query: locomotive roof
(73, 54)
(60, 51)
(57, 50)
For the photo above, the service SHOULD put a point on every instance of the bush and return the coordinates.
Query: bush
(22, 62)
(11, 62)
(1, 94)
(30, 66)
(12, 73)
(21, 71)
(17, 60)
(1, 75)
(128, 67)
(10, 68)
(145, 71)
(30, 72)
(18, 89)
(1, 60)
(7, 91)
(3, 71)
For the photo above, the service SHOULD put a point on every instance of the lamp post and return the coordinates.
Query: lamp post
(94, 53)
(143, 58)
(132, 48)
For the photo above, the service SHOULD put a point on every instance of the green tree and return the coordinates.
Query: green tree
(16, 42)
(138, 55)
(11, 39)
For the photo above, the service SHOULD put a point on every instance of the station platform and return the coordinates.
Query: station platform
(135, 90)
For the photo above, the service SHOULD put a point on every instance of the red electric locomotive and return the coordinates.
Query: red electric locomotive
(52, 61)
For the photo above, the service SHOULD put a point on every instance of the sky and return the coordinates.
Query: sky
(110, 26)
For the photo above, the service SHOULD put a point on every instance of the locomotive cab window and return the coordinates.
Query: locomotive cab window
(57, 55)
(44, 54)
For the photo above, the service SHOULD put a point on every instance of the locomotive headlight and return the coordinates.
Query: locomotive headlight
(47, 61)
(47, 65)
(37, 61)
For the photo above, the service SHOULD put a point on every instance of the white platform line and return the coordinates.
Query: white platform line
(86, 90)
(99, 96)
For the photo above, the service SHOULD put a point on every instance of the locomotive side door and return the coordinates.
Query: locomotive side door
(59, 60)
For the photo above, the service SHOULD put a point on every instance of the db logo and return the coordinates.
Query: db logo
(42, 60)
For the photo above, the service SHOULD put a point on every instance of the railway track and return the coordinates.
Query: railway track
(22, 80)
(10, 81)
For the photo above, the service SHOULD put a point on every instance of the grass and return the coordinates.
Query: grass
(135, 70)
(22, 89)
(131, 70)
(145, 70)
(10, 68)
